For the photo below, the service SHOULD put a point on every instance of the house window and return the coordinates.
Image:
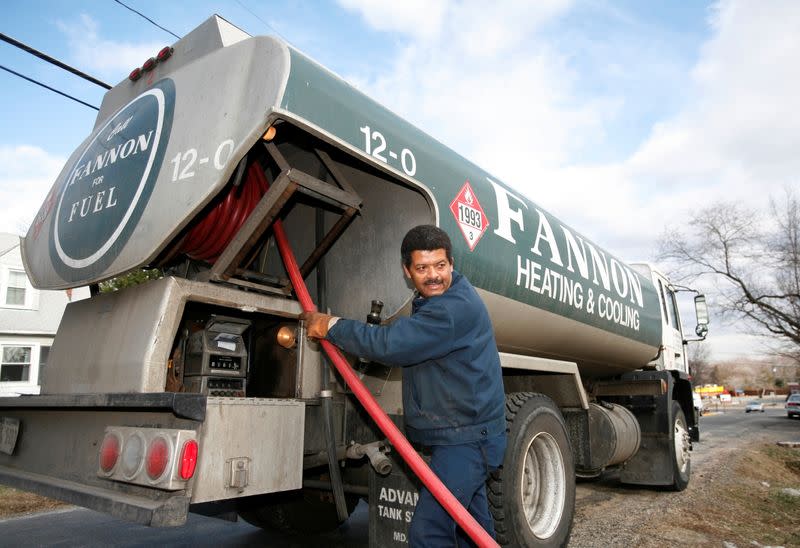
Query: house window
(16, 364)
(44, 353)
(15, 289)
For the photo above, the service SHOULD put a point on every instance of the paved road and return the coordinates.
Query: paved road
(732, 421)
(727, 427)
(80, 527)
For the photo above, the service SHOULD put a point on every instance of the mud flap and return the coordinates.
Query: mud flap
(392, 500)
(651, 464)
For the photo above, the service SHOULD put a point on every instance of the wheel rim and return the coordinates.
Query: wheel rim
(681, 437)
(543, 485)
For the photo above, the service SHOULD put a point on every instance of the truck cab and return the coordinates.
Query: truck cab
(672, 352)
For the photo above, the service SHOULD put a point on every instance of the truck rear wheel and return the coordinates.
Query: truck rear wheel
(532, 497)
(305, 513)
(681, 460)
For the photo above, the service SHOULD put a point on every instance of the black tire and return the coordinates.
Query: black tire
(680, 456)
(306, 513)
(538, 449)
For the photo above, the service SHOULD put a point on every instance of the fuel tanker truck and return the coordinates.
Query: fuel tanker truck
(220, 157)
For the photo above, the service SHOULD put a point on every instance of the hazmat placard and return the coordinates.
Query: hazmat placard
(469, 215)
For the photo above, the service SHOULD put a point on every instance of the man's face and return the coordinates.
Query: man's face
(430, 272)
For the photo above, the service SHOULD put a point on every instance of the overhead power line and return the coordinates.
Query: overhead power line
(54, 90)
(53, 60)
(254, 14)
(143, 16)
(10, 249)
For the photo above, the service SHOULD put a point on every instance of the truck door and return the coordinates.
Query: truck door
(672, 337)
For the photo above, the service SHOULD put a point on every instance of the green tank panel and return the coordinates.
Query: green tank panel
(503, 242)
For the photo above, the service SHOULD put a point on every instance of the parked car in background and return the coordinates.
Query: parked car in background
(754, 405)
(793, 406)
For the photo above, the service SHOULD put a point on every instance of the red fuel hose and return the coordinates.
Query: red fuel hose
(207, 239)
(396, 438)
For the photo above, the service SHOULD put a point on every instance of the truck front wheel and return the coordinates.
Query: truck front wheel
(532, 497)
(681, 460)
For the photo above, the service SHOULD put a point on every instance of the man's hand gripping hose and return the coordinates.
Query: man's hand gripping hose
(461, 516)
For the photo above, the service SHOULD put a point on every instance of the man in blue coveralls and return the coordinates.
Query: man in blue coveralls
(453, 399)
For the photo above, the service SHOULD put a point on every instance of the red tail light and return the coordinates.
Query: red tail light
(148, 456)
(109, 452)
(188, 459)
(157, 458)
(164, 54)
(149, 65)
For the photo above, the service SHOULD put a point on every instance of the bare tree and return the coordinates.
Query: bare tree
(754, 261)
(703, 372)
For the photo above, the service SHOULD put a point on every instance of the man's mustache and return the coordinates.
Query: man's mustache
(437, 281)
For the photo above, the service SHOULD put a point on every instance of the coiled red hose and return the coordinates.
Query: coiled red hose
(390, 430)
(208, 239)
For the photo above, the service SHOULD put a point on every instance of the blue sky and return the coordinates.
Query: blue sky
(606, 47)
(620, 117)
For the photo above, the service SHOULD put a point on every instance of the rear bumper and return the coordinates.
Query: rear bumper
(56, 453)
(248, 446)
(171, 511)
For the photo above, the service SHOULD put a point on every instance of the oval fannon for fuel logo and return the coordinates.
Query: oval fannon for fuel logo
(106, 189)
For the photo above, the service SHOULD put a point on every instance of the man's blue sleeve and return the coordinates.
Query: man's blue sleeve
(426, 335)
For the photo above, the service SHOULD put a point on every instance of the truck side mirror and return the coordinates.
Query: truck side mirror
(701, 311)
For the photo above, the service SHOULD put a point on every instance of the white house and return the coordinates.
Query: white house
(29, 320)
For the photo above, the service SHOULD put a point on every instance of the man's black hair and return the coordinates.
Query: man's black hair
(425, 238)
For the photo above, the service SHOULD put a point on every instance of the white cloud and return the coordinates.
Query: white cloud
(108, 57)
(26, 175)
(740, 132)
(735, 140)
(421, 18)
(727, 344)
(491, 85)
(486, 84)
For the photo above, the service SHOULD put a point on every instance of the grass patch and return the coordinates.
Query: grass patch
(746, 504)
(14, 502)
